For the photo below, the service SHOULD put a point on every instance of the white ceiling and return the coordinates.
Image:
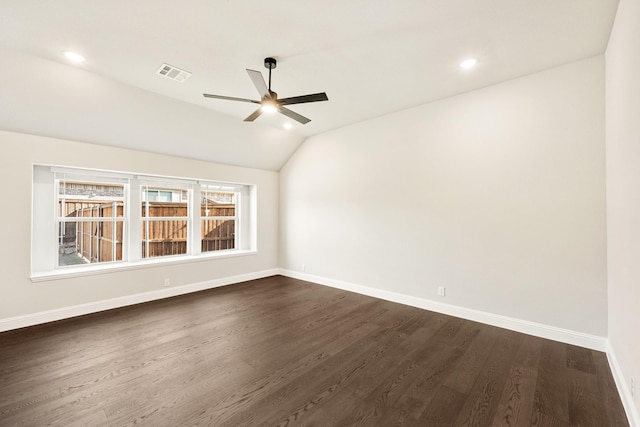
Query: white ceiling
(371, 57)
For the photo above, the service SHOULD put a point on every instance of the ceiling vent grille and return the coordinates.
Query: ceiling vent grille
(173, 73)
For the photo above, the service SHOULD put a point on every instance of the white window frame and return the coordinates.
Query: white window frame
(146, 220)
(237, 199)
(64, 177)
(44, 242)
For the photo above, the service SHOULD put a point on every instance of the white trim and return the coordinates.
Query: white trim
(581, 339)
(96, 173)
(97, 306)
(623, 388)
(112, 267)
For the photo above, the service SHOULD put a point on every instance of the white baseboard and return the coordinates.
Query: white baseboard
(531, 328)
(17, 322)
(623, 388)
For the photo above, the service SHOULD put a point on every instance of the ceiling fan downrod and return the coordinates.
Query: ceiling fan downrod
(270, 63)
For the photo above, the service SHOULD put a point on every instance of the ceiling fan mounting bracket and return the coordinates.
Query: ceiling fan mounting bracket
(270, 63)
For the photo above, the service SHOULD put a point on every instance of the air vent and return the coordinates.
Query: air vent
(173, 73)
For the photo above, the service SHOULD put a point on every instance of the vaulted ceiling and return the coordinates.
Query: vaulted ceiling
(371, 57)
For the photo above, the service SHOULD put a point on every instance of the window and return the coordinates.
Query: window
(219, 218)
(165, 221)
(85, 220)
(90, 222)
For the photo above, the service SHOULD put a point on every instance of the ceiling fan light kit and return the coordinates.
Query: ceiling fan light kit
(269, 101)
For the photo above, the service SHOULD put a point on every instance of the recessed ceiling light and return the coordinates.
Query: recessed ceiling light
(468, 64)
(74, 57)
(287, 126)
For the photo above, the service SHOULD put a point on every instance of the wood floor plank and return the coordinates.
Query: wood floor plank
(515, 406)
(585, 409)
(473, 360)
(389, 378)
(580, 359)
(377, 397)
(280, 351)
(551, 398)
(443, 408)
(437, 361)
(482, 401)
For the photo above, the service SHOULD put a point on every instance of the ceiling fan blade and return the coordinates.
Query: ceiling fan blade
(259, 83)
(254, 115)
(293, 115)
(304, 98)
(229, 98)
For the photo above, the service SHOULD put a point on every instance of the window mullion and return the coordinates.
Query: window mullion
(114, 231)
(134, 237)
(242, 214)
(195, 234)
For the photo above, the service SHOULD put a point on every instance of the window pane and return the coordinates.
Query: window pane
(164, 209)
(218, 203)
(89, 242)
(78, 199)
(164, 238)
(218, 234)
(157, 202)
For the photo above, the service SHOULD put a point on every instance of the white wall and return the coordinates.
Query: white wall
(497, 194)
(623, 191)
(19, 296)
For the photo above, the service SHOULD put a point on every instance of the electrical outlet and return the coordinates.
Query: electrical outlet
(167, 282)
(441, 290)
(304, 267)
(633, 388)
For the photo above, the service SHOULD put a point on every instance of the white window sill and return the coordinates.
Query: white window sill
(92, 270)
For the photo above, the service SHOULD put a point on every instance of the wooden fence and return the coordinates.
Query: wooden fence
(99, 241)
(165, 237)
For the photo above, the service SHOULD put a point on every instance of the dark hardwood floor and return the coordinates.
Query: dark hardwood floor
(280, 352)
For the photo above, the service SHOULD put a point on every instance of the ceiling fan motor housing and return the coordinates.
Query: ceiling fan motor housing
(270, 63)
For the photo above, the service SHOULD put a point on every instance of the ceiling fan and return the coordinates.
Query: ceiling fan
(269, 101)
